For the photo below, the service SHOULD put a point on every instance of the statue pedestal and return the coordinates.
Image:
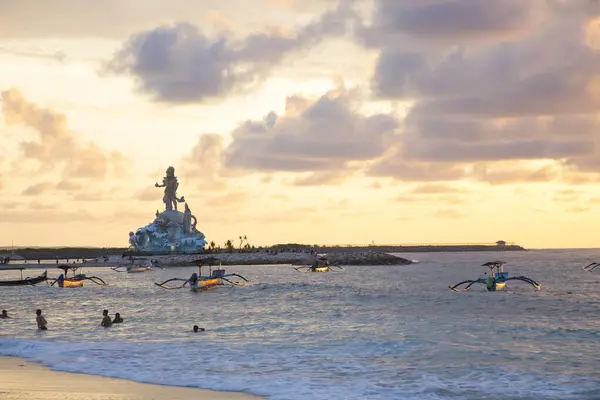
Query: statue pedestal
(169, 232)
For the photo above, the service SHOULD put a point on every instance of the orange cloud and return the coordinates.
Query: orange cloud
(56, 146)
(448, 214)
(435, 188)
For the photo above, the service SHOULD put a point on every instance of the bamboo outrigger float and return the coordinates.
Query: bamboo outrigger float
(496, 280)
(198, 282)
(76, 280)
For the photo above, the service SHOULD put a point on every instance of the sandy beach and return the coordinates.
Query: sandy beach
(24, 380)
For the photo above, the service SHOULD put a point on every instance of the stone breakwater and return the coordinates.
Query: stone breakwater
(337, 258)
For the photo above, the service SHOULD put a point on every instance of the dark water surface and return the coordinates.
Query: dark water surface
(381, 332)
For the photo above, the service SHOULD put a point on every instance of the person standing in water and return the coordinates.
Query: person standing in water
(197, 329)
(106, 322)
(4, 314)
(40, 320)
(117, 319)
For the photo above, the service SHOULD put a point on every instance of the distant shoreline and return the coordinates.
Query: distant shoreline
(294, 254)
(34, 253)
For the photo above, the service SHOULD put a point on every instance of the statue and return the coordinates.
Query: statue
(170, 184)
(187, 220)
(171, 230)
(132, 240)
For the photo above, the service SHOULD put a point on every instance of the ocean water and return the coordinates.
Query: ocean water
(379, 332)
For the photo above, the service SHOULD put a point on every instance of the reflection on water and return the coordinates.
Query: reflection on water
(369, 332)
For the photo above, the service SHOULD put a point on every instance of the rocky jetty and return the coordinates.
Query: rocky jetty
(366, 258)
(262, 258)
(341, 258)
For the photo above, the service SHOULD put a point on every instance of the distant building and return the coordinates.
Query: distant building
(501, 243)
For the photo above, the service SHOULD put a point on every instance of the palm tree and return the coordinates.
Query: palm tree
(242, 240)
(229, 245)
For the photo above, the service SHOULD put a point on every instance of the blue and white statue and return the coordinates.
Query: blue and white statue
(171, 230)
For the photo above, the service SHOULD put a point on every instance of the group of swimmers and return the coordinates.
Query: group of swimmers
(42, 323)
(39, 319)
(106, 320)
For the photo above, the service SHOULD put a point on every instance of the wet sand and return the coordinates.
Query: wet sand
(24, 380)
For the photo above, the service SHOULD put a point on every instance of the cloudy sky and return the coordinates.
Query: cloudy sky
(313, 121)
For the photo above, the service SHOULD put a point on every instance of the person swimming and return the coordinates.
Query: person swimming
(106, 322)
(40, 320)
(117, 319)
(4, 314)
(196, 329)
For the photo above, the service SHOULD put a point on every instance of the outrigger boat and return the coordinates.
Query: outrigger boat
(135, 267)
(591, 267)
(76, 280)
(27, 281)
(496, 280)
(198, 282)
(321, 264)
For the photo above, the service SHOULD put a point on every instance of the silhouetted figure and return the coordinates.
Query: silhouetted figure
(106, 322)
(4, 314)
(196, 329)
(61, 280)
(117, 319)
(40, 320)
(193, 280)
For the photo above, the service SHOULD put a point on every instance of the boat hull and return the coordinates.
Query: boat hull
(25, 282)
(71, 284)
(496, 286)
(207, 284)
(137, 269)
(321, 269)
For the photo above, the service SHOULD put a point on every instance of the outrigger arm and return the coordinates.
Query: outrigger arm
(186, 281)
(533, 283)
(234, 282)
(308, 268)
(98, 281)
(162, 285)
(78, 277)
(95, 279)
(591, 267)
(470, 283)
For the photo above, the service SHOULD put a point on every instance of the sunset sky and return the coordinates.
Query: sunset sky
(310, 121)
